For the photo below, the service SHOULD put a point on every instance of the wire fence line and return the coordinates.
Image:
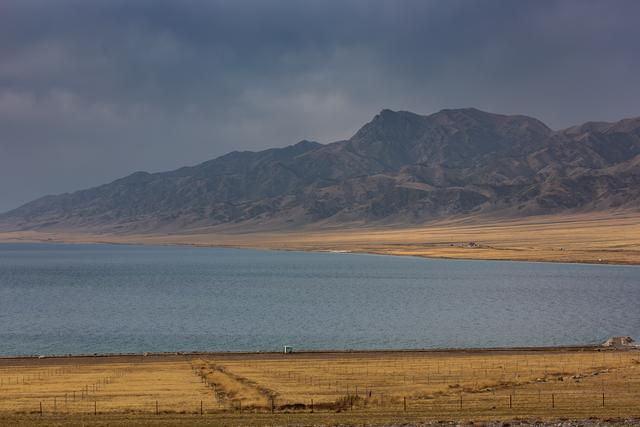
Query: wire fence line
(522, 403)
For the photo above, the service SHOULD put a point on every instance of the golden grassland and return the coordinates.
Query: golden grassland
(128, 386)
(311, 388)
(612, 237)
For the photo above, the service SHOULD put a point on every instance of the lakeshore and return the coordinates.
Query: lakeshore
(592, 238)
(304, 388)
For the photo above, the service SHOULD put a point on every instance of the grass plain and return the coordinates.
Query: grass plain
(316, 387)
(612, 237)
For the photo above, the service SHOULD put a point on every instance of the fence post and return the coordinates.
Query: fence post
(156, 407)
(553, 400)
(201, 407)
(405, 403)
(95, 407)
(602, 399)
(460, 400)
(510, 402)
(40, 408)
(312, 406)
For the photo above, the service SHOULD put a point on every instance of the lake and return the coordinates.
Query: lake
(62, 299)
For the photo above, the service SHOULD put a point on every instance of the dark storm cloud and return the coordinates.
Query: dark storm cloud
(93, 90)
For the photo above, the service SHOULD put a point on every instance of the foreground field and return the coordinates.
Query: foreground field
(587, 238)
(310, 388)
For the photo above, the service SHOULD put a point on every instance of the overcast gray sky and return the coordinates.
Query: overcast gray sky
(94, 90)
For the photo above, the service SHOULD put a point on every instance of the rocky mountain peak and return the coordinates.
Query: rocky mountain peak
(400, 167)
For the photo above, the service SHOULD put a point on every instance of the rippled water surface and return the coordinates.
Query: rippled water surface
(59, 299)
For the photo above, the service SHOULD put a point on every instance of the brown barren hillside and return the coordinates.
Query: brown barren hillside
(401, 169)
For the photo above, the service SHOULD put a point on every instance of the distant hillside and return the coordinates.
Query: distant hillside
(399, 168)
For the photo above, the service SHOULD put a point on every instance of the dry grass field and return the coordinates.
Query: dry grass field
(306, 387)
(612, 237)
(79, 385)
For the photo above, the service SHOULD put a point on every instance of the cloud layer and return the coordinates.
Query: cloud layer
(93, 90)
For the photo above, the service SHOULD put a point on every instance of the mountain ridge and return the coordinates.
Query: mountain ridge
(400, 167)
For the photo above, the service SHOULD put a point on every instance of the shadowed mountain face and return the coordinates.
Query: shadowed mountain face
(399, 168)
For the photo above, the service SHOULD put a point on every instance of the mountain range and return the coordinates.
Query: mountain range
(400, 168)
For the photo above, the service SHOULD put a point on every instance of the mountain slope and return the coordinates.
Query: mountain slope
(401, 167)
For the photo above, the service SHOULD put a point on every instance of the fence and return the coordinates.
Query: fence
(520, 404)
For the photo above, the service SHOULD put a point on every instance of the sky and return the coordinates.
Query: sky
(93, 90)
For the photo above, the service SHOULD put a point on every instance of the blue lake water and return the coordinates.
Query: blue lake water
(61, 299)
